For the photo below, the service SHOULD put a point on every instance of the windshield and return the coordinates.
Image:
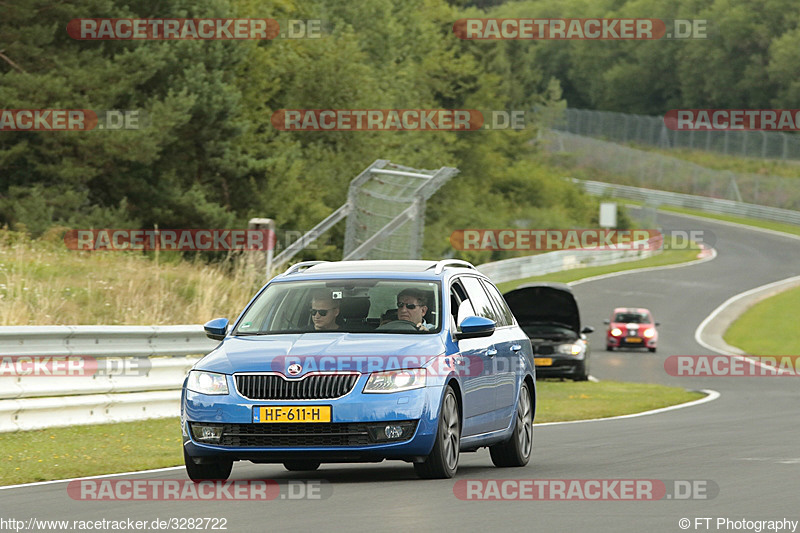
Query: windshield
(632, 318)
(345, 306)
(548, 330)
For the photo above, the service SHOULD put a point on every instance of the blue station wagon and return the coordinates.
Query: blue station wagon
(361, 361)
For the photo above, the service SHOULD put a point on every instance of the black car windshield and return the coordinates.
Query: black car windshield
(345, 306)
(548, 330)
(632, 318)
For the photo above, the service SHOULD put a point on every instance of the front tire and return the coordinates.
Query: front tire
(516, 451)
(652, 350)
(582, 372)
(442, 462)
(219, 470)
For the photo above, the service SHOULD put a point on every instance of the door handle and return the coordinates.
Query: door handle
(516, 347)
(491, 352)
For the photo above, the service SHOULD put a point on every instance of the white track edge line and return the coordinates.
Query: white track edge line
(698, 333)
(51, 482)
(711, 395)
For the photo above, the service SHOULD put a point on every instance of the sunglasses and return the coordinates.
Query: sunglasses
(322, 312)
(410, 307)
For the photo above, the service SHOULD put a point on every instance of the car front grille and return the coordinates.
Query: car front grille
(292, 435)
(310, 387)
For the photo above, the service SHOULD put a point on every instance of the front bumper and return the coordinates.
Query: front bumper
(563, 365)
(356, 419)
(621, 342)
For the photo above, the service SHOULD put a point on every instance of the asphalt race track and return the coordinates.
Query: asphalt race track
(747, 442)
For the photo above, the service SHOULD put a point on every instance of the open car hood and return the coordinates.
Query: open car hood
(540, 302)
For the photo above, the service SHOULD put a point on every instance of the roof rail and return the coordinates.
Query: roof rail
(302, 264)
(440, 265)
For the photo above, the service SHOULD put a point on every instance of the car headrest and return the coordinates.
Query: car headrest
(354, 307)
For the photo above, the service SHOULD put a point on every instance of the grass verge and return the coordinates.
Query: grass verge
(776, 313)
(668, 257)
(561, 401)
(80, 451)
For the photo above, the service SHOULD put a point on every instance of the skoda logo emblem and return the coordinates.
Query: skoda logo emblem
(294, 369)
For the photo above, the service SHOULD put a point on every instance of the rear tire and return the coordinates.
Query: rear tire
(219, 470)
(516, 451)
(301, 466)
(442, 462)
(609, 348)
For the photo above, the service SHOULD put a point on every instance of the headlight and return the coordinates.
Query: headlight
(395, 380)
(616, 332)
(570, 349)
(207, 382)
(649, 332)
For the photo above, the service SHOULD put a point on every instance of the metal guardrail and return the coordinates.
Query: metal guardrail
(701, 203)
(124, 390)
(104, 341)
(537, 265)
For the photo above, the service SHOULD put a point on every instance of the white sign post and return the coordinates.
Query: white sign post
(608, 215)
(267, 224)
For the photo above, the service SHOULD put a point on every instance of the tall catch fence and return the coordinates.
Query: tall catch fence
(385, 213)
(648, 130)
(640, 168)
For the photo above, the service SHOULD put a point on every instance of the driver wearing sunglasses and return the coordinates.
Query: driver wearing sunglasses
(412, 305)
(324, 311)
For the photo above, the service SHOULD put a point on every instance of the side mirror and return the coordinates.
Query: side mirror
(216, 329)
(658, 323)
(474, 327)
(606, 322)
(587, 329)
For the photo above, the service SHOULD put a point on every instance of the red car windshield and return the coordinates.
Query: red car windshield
(632, 318)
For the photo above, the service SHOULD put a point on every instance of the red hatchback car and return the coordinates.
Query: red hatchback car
(631, 327)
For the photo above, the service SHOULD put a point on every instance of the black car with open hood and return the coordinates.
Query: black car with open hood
(548, 314)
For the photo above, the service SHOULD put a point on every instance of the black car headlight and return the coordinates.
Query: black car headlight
(574, 349)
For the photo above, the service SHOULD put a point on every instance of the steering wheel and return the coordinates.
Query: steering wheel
(402, 325)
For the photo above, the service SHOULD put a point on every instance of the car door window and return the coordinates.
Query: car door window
(503, 312)
(480, 301)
